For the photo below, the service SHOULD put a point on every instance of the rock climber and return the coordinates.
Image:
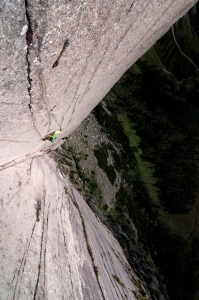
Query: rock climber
(52, 136)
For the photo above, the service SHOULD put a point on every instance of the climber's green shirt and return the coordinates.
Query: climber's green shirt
(53, 136)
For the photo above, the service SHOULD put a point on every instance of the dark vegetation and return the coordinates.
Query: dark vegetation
(131, 199)
(164, 110)
(102, 157)
(86, 182)
(167, 121)
(159, 96)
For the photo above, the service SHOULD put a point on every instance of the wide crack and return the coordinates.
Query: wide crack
(29, 41)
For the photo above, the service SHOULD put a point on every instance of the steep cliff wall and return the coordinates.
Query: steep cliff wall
(52, 244)
(104, 38)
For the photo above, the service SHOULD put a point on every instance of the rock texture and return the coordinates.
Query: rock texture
(105, 39)
(52, 244)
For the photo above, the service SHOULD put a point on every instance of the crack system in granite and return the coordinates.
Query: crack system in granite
(29, 41)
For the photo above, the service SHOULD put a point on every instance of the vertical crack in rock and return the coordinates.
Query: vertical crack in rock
(40, 260)
(46, 237)
(20, 271)
(95, 268)
(29, 40)
(65, 244)
(42, 253)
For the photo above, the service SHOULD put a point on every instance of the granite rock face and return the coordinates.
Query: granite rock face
(58, 59)
(104, 39)
(52, 244)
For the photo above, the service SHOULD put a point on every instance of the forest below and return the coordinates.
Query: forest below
(164, 112)
(145, 143)
(154, 114)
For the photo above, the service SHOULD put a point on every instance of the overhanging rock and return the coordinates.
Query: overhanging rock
(104, 38)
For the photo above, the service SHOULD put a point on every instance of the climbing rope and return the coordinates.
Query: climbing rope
(181, 51)
(164, 69)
